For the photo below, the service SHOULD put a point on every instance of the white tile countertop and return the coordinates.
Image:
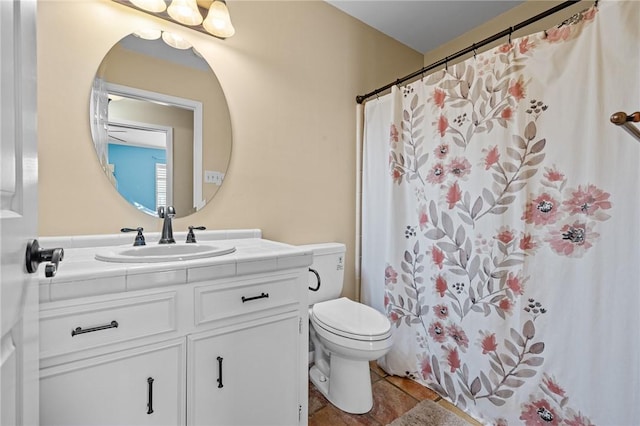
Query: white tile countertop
(81, 275)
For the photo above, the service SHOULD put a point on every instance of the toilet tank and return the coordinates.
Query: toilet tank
(328, 262)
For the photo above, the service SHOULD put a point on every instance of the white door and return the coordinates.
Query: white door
(246, 375)
(18, 213)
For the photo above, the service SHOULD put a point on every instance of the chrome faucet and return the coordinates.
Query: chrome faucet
(167, 228)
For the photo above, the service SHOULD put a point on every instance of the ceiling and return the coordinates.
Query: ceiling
(424, 25)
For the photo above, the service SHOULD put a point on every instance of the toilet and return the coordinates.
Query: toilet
(345, 335)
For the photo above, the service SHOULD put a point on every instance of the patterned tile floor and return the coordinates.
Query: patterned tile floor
(392, 397)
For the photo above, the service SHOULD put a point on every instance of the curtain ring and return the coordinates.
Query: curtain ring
(510, 32)
(446, 63)
(474, 51)
(596, 4)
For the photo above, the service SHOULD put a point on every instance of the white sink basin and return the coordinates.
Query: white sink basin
(162, 253)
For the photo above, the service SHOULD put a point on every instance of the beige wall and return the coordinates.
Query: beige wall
(510, 18)
(290, 75)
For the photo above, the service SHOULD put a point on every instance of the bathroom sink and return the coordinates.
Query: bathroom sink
(162, 253)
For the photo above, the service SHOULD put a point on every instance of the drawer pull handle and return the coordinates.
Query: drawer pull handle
(262, 296)
(79, 330)
(150, 399)
(219, 372)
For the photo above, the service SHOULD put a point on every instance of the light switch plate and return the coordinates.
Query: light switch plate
(213, 177)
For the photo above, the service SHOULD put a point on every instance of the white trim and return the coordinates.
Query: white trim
(196, 107)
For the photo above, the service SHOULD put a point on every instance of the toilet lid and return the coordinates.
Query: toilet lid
(351, 319)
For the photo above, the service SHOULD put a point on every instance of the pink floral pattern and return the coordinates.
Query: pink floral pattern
(588, 200)
(488, 343)
(441, 311)
(437, 174)
(439, 97)
(539, 413)
(459, 167)
(441, 151)
(477, 226)
(492, 157)
(390, 275)
(437, 256)
(437, 332)
(573, 239)
(542, 210)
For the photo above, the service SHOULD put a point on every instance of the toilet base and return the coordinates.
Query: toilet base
(348, 386)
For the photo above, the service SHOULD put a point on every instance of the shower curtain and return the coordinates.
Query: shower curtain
(500, 227)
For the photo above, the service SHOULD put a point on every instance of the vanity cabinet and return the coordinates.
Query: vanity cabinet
(141, 386)
(245, 374)
(213, 352)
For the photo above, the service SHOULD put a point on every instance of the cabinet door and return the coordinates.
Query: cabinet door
(246, 374)
(142, 386)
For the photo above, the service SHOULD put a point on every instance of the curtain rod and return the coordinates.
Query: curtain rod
(361, 98)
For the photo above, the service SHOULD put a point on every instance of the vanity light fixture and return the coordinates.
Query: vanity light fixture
(218, 21)
(148, 34)
(189, 13)
(170, 39)
(185, 11)
(155, 6)
(175, 41)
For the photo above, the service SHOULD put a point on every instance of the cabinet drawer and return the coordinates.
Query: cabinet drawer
(66, 329)
(217, 302)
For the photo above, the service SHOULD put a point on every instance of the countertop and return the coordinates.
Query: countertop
(81, 275)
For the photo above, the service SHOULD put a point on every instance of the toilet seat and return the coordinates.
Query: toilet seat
(351, 320)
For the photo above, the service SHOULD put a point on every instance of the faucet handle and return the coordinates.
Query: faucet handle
(191, 237)
(139, 241)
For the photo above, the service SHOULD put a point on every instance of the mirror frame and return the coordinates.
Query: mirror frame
(194, 106)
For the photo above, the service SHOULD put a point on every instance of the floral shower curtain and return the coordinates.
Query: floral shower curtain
(501, 226)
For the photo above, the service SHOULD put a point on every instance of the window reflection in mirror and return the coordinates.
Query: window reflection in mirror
(148, 109)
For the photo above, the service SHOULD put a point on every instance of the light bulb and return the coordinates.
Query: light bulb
(148, 33)
(218, 21)
(156, 6)
(185, 11)
(175, 41)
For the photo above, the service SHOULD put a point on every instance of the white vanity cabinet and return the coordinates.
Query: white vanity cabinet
(141, 386)
(95, 369)
(245, 374)
(250, 364)
(206, 349)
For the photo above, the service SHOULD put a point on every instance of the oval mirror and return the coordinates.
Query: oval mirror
(160, 124)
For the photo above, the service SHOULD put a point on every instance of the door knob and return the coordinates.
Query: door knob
(35, 255)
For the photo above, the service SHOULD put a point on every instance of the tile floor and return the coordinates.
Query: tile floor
(392, 397)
